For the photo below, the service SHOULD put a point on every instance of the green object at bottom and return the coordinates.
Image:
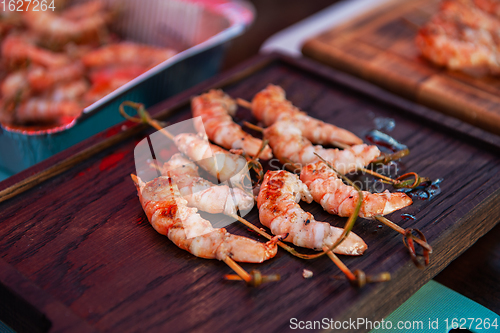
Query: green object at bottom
(438, 309)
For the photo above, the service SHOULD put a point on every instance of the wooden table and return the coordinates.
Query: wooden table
(79, 252)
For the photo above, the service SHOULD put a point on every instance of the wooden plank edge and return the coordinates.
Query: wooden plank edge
(373, 17)
(434, 99)
(407, 280)
(445, 122)
(61, 318)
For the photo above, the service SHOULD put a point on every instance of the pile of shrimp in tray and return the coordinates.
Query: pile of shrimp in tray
(175, 190)
(58, 61)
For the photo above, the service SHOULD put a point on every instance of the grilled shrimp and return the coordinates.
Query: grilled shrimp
(127, 54)
(335, 197)
(15, 86)
(18, 50)
(169, 215)
(288, 145)
(270, 106)
(82, 10)
(106, 80)
(54, 28)
(73, 90)
(489, 6)
(201, 193)
(38, 109)
(42, 79)
(216, 109)
(213, 159)
(279, 211)
(462, 37)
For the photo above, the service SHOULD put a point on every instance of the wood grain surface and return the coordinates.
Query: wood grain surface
(79, 251)
(380, 47)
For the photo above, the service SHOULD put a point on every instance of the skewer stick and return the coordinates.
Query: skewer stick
(237, 269)
(260, 129)
(144, 117)
(408, 239)
(397, 183)
(358, 278)
(254, 278)
(244, 103)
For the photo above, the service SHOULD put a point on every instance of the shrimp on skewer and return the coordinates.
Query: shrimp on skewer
(337, 198)
(216, 109)
(288, 144)
(169, 215)
(370, 209)
(216, 161)
(203, 194)
(270, 106)
(279, 211)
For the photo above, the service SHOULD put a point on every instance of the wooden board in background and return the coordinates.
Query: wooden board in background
(380, 48)
(78, 250)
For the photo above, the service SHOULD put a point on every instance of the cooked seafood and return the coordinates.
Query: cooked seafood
(107, 79)
(280, 212)
(213, 159)
(168, 213)
(18, 50)
(270, 105)
(43, 79)
(216, 109)
(48, 54)
(337, 198)
(289, 145)
(86, 26)
(15, 86)
(42, 110)
(127, 54)
(70, 91)
(463, 35)
(203, 194)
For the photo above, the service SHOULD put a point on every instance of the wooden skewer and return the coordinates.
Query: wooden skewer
(256, 278)
(402, 231)
(238, 270)
(336, 260)
(244, 103)
(385, 158)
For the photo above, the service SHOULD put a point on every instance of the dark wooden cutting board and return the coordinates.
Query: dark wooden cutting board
(380, 47)
(77, 252)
